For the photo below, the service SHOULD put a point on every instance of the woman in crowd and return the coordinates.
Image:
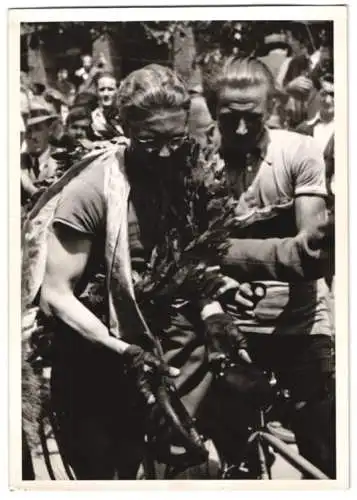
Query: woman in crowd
(105, 118)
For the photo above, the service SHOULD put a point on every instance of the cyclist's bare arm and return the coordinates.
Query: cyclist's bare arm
(68, 253)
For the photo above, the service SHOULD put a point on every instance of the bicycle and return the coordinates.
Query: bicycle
(263, 444)
(256, 458)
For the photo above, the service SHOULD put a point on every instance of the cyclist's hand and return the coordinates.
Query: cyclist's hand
(241, 296)
(248, 295)
(224, 338)
(141, 365)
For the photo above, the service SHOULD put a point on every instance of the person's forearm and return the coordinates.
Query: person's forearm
(28, 186)
(288, 259)
(71, 311)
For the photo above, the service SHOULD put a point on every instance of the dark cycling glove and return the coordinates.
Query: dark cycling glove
(223, 336)
(140, 365)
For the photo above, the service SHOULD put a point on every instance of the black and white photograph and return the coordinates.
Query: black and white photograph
(175, 194)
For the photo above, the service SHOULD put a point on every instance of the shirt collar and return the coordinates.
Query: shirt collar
(316, 119)
(261, 148)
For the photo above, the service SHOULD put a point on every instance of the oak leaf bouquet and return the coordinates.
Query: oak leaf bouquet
(199, 220)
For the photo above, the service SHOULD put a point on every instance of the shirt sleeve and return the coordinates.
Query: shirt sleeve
(308, 168)
(82, 205)
(287, 259)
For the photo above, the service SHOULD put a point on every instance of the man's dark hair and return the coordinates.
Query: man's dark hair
(239, 72)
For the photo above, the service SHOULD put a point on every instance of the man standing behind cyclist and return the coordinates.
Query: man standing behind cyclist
(289, 331)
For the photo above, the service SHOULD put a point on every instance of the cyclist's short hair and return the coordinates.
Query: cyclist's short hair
(149, 89)
(245, 72)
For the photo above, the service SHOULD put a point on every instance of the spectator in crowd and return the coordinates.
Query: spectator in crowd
(322, 65)
(321, 59)
(83, 73)
(86, 76)
(105, 118)
(294, 77)
(78, 125)
(76, 140)
(37, 164)
(63, 92)
(290, 329)
(322, 125)
(322, 128)
(64, 86)
(296, 63)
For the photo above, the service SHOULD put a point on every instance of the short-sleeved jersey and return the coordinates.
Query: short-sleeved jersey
(83, 208)
(292, 166)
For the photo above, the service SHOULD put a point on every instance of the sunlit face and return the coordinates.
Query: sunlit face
(37, 137)
(242, 114)
(106, 90)
(161, 135)
(87, 62)
(62, 75)
(79, 128)
(327, 99)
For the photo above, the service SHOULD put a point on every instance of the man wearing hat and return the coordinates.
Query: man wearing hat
(37, 165)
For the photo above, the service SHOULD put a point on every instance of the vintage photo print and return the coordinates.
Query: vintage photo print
(178, 258)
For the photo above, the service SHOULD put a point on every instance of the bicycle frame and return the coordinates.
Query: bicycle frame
(297, 461)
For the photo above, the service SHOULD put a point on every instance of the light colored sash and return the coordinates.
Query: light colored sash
(35, 232)
(125, 318)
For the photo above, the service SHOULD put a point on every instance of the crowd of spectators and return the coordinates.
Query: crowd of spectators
(80, 108)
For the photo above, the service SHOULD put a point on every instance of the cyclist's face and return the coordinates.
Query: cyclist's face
(161, 135)
(241, 116)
